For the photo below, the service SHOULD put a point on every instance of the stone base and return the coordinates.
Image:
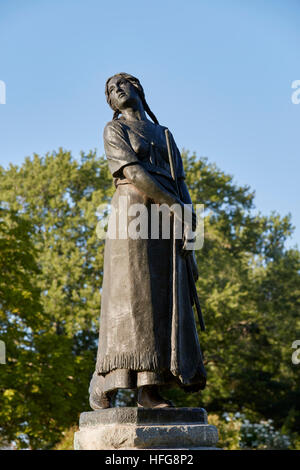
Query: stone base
(145, 428)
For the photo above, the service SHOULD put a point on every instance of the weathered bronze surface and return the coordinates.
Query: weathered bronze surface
(148, 335)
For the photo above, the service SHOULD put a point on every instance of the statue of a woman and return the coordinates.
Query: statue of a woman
(143, 344)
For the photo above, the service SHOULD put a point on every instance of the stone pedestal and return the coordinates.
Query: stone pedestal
(145, 428)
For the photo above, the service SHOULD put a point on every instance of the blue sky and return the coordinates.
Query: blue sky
(218, 73)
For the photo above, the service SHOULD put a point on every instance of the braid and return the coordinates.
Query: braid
(116, 114)
(136, 83)
(149, 112)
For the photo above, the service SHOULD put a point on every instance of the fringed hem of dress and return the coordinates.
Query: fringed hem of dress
(137, 362)
(146, 362)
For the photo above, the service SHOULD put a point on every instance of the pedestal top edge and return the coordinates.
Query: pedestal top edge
(134, 415)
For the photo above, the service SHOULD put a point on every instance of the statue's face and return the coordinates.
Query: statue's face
(122, 94)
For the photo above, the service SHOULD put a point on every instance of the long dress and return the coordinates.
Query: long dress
(140, 340)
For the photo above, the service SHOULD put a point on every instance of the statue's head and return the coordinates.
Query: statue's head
(123, 90)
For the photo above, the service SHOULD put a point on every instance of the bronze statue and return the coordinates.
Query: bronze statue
(148, 335)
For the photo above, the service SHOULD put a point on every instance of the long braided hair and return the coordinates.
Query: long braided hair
(136, 83)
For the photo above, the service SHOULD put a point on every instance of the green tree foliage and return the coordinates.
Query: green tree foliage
(19, 313)
(248, 288)
(45, 381)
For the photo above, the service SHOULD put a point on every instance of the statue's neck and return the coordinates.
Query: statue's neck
(135, 114)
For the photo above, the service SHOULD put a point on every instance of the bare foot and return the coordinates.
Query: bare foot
(149, 397)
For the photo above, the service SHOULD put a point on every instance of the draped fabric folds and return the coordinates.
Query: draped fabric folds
(137, 330)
